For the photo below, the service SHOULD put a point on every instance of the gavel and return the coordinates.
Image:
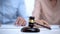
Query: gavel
(31, 28)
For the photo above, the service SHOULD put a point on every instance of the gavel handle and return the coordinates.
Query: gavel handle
(43, 26)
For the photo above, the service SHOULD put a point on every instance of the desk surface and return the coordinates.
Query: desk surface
(12, 29)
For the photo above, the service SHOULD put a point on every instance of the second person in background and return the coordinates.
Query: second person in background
(47, 11)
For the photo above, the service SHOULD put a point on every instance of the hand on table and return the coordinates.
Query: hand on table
(42, 22)
(20, 21)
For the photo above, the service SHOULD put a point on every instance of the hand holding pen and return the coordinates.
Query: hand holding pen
(42, 23)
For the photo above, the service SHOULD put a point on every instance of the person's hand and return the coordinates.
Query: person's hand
(20, 21)
(42, 22)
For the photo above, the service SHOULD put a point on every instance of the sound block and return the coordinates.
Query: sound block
(27, 29)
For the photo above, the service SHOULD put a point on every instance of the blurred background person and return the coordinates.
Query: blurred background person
(12, 12)
(48, 11)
